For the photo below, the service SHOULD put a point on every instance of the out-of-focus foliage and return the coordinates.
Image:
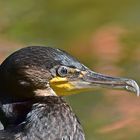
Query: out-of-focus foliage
(105, 35)
(60, 21)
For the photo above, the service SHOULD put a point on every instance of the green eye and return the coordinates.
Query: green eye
(62, 71)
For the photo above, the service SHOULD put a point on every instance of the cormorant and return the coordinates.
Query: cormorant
(32, 83)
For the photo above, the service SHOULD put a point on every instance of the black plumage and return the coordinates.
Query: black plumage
(32, 81)
(49, 118)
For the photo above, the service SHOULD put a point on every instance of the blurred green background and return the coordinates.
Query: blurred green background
(104, 35)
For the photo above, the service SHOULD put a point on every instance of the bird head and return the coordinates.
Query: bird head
(43, 71)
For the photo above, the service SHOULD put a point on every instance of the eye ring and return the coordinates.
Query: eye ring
(62, 71)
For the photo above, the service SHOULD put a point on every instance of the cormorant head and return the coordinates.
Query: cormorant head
(44, 71)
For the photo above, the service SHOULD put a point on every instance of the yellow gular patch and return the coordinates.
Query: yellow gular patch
(66, 86)
(58, 80)
(61, 85)
(63, 89)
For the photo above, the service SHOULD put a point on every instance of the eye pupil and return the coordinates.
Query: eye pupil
(62, 71)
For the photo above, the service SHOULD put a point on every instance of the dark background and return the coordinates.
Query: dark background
(104, 35)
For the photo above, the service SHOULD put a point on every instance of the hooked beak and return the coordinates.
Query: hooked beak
(90, 79)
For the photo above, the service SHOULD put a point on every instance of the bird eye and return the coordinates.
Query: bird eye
(62, 71)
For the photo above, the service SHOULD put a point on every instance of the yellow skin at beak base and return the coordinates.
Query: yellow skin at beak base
(62, 86)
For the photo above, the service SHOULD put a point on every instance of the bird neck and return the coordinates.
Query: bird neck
(52, 118)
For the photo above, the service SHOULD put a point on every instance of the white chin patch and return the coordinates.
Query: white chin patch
(45, 92)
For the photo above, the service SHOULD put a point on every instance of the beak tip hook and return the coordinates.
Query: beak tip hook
(133, 86)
